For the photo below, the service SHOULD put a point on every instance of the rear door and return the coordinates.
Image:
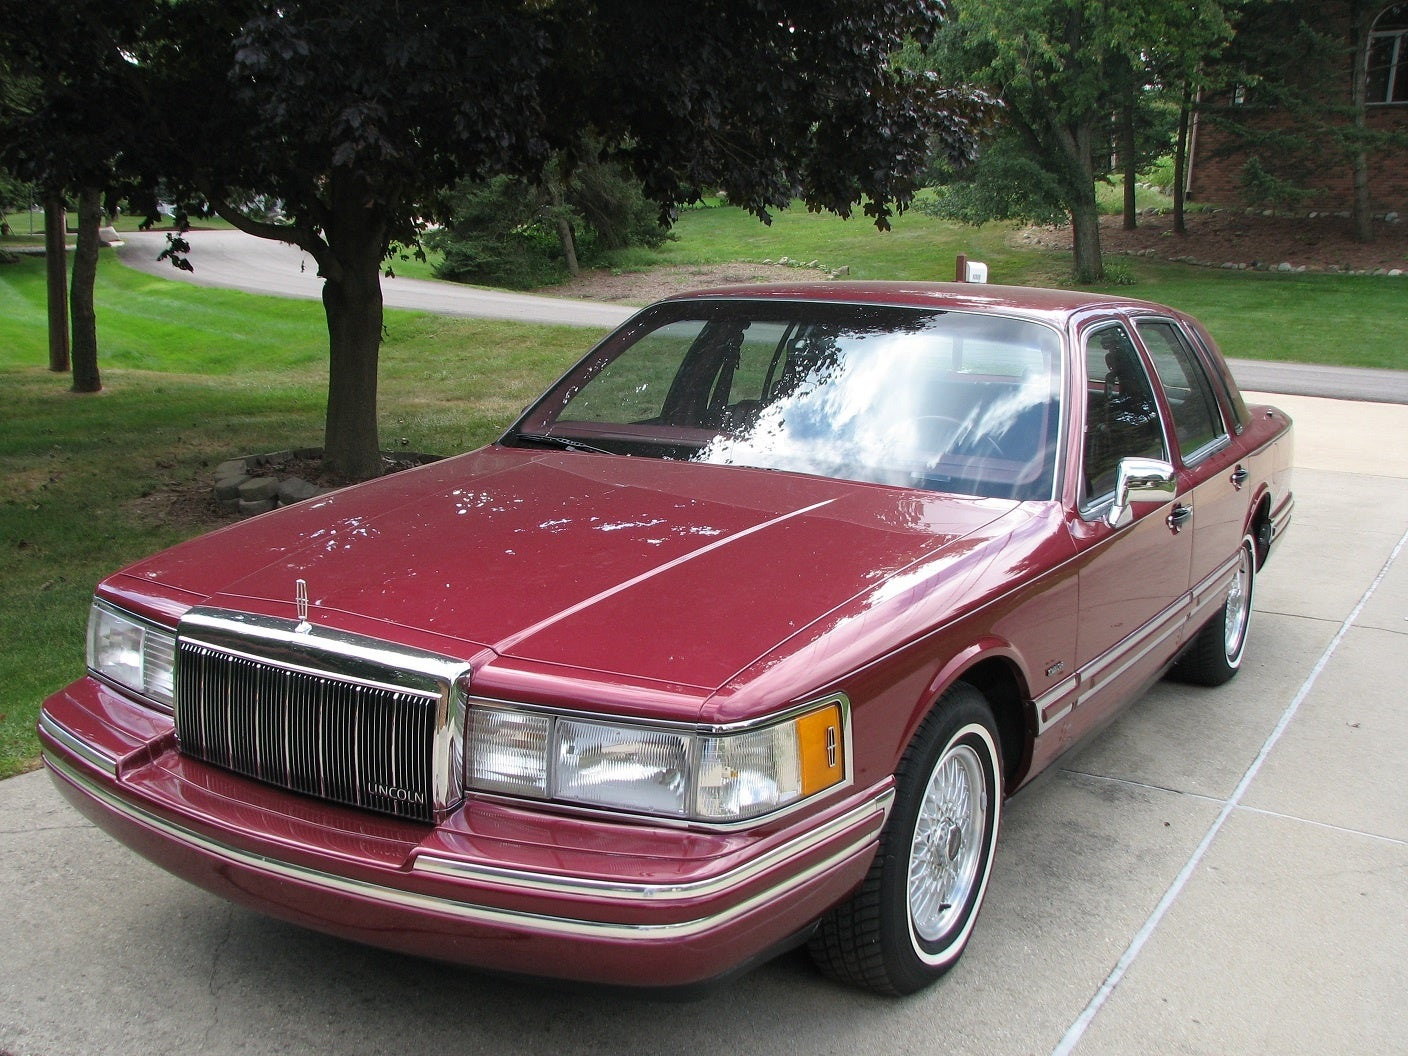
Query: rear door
(1211, 476)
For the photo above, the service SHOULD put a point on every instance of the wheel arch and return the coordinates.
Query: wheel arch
(1000, 680)
(1259, 527)
(1001, 684)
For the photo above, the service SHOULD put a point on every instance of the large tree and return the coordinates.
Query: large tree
(353, 114)
(1072, 76)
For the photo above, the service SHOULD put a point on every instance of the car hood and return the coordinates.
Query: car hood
(661, 571)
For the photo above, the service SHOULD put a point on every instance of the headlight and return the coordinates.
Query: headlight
(624, 767)
(131, 652)
(664, 771)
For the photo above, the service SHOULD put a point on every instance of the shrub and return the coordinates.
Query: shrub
(508, 232)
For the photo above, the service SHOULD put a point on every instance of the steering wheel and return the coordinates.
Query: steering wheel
(957, 438)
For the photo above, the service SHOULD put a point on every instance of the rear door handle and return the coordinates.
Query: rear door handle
(1239, 477)
(1180, 516)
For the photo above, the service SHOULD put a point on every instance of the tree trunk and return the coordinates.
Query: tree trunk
(569, 245)
(349, 246)
(1359, 96)
(1078, 178)
(56, 269)
(1180, 163)
(1085, 231)
(565, 237)
(85, 274)
(352, 302)
(1129, 163)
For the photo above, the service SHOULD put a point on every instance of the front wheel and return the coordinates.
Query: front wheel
(1215, 655)
(911, 918)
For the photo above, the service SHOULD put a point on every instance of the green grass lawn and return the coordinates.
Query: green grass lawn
(1351, 320)
(195, 376)
(917, 246)
(1345, 320)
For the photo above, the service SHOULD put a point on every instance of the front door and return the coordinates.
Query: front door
(1134, 580)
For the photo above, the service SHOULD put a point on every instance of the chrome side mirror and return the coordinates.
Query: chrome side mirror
(1142, 481)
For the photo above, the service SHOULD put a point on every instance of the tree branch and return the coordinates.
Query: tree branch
(302, 236)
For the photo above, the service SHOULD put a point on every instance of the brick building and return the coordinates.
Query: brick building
(1216, 164)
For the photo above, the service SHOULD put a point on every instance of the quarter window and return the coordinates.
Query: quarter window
(1196, 419)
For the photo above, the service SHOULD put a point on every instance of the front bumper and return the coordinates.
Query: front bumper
(496, 886)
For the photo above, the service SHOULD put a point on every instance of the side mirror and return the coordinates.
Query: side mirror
(1142, 481)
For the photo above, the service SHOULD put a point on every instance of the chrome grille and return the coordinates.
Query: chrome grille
(382, 739)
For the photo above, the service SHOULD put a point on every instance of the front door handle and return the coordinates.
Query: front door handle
(1180, 516)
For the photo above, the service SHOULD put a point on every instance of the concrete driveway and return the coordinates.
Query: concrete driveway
(1221, 871)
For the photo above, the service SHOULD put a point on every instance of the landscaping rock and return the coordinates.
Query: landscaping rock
(250, 507)
(296, 489)
(257, 489)
(259, 483)
(227, 489)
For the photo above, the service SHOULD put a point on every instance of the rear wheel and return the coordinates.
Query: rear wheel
(911, 918)
(1215, 655)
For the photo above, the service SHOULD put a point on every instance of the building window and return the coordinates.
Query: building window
(1388, 57)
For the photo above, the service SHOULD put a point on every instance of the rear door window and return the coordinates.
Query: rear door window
(1197, 421)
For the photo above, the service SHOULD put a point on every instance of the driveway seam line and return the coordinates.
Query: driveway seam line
(1220, 801)
(1325, 825)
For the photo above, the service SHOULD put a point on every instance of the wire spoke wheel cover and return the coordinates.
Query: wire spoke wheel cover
(1215, 653)
(947, 844)
(1239, 607)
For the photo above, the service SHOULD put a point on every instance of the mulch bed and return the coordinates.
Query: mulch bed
(1321, 242)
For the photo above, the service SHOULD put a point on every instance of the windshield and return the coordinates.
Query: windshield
(943, 401)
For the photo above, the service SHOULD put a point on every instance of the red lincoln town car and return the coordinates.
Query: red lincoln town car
(738, 639)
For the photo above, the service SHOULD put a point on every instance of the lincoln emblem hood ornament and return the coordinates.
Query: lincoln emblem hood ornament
(300, 599)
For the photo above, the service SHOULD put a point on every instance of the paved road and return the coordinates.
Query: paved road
(238, 261)
(234, 260)
(1220, 871)
(1337, 383)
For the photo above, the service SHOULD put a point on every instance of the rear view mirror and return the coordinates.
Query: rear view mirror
(1141, 481)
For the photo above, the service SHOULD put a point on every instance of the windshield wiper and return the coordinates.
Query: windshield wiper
(566, 443)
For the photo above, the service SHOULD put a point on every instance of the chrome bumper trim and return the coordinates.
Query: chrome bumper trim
(627, 892)
(467, 911)
(75, 744)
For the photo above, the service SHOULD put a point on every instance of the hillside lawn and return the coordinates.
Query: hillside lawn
(195, 376)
